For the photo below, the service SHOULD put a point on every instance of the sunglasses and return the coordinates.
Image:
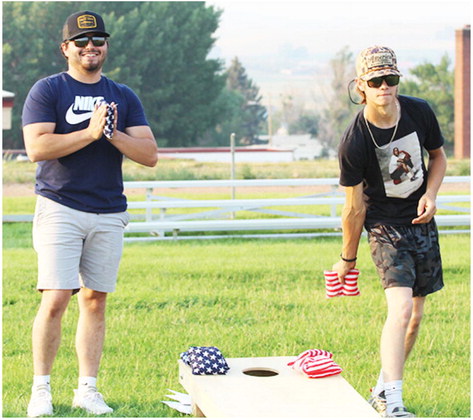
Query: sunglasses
(98, 41)
(376, 82)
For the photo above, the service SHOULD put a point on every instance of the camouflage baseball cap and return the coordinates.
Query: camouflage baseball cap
(376, 61)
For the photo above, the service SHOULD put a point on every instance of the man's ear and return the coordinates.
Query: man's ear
(360, 85)
(63, 48)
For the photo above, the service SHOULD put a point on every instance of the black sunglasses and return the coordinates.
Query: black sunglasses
(376, 82)
(98, 41)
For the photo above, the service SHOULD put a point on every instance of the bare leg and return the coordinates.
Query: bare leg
(414, 324)
(47, 329)
(90, 331)
(89, 344)
(411, 335)
(393, 337)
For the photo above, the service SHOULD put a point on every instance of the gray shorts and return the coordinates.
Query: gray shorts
(407, 256)
(77, 249)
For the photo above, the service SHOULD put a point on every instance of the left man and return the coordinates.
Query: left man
(80, 212)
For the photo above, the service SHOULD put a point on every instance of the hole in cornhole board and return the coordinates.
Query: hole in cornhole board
(260, 372)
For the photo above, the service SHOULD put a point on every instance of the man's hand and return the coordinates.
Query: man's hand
(342, 268)
(97, 122)
(426, 209)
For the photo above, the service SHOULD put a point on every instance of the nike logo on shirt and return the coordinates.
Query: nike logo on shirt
(72, 118)
(82, 103)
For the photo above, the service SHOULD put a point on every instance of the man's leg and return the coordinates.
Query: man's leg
(102, 248)
(89, 344)
(414, 324)
(46, 340)
(393, 338)
(47, 329)
(399, 301)
(90, 331)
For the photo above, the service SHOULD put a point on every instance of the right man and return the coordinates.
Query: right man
(397, 213)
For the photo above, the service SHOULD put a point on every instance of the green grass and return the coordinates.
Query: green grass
(247, 297)
(181, 169)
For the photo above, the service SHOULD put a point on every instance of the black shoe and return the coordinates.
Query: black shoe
(400, 412)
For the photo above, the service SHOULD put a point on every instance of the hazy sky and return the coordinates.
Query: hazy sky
(293, 39)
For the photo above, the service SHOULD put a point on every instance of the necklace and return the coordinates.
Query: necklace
(394, 132)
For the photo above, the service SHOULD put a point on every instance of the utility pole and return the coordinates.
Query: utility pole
(232, 168)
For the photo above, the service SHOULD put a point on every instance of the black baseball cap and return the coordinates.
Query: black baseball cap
(80, 23)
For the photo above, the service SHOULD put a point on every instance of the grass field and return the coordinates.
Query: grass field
(247, 297)
(15, 172)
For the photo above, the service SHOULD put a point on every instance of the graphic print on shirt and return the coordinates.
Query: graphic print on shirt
(401, 166)
(75, 113)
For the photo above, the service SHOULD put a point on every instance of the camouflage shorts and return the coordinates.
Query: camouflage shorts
(407, 256)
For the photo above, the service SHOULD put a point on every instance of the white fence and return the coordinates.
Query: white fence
(221, 215)
(309, 215)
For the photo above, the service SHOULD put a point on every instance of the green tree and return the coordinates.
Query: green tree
(178, 85)
(338, 112)
(159, 49)
(231, 104)
(295, 118)
(307, 122)
(240, 104)
(252, 113)
(435, 84)
(31, 36)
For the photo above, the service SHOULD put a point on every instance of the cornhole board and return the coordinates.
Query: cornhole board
(248, 390)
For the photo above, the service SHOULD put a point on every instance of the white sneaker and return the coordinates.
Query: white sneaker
(41, 402)
(91, 401)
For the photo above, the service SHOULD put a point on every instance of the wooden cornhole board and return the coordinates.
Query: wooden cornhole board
(287, 394)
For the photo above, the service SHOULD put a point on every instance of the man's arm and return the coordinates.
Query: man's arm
(42, 143)
(137, 144)
(353, 218)
(436, 171)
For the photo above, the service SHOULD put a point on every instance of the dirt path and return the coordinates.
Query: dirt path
(18, 190)
(25, 190)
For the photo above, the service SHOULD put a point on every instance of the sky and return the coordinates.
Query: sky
(286, 46)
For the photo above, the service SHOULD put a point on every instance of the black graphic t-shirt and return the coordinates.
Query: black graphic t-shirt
(394, 176)
(89, 179)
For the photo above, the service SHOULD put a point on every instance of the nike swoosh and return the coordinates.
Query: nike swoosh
(73, 119)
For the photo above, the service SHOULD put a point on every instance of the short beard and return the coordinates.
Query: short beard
(93, 68)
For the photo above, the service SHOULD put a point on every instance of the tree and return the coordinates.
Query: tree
(252, 113)
(178, 83)
(307, 122)
(435, 84)
(295, 118)
(242, 112)
(231, 104)
(31, 36)
(338, 112)
(159, 49)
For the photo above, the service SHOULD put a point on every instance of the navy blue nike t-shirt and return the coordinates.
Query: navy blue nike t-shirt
(89, 179)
